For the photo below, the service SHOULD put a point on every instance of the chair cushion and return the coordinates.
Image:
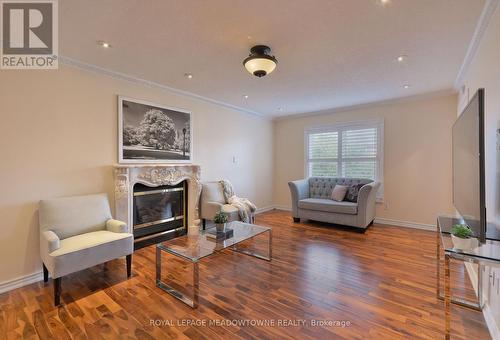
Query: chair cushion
(232, 212)
(71, 216)
(327, 205)
(86, 250)
(213, 192)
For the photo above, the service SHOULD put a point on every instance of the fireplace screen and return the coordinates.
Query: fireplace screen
(158, 209)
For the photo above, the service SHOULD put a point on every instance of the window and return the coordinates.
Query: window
(346, 150)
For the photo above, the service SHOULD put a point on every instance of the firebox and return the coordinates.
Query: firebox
(159, 213)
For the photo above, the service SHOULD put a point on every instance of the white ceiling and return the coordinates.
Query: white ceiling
(331, 53)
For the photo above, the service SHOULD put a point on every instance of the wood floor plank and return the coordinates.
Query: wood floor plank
(377, 285)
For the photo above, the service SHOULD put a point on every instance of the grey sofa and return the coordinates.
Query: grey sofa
(311, 200)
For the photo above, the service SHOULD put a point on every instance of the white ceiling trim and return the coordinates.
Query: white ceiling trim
(428, 95)
(121, 76)
(482, 25)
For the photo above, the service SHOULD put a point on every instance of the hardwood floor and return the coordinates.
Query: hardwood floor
(381, 282)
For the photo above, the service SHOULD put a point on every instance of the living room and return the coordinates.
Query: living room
(319, 139)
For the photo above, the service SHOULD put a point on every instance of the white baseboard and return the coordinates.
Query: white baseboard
(282, 207)
(20, 282)
(406, 224)
(491, 323)
(264, 209)
(471, 270)
(415, 225)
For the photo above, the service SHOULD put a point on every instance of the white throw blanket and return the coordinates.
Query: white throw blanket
(246, 209)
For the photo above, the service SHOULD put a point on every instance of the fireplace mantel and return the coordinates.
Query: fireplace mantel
(153, 175)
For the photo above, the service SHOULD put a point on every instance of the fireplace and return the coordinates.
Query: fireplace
(158, 212)
(158, 202)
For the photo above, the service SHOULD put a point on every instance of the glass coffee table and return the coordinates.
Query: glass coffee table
(193, 248)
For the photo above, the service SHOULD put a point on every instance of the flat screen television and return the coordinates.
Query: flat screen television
(469, 167)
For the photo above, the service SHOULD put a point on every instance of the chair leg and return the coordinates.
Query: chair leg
(129, 265)
(204, 222)
(45, 273)
(296, 219)
(57, 291)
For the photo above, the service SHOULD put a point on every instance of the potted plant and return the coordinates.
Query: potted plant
(461, 236)
(220, 220)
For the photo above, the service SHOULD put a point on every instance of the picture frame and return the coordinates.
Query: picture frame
(153, 133)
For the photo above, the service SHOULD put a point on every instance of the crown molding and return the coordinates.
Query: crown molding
(417, 97)
(125, 77)
(482, 25)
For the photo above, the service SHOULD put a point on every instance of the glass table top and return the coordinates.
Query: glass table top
(490, 250)
(195, 247)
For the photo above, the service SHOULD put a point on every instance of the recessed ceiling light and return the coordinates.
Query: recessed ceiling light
(402, 58)
(188, 75)
(406, 86)
(104, 44)
(385, 2)
(245, 96)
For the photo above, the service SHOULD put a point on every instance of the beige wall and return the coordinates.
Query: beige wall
(484, 72)
(417, 162)
(58, 136)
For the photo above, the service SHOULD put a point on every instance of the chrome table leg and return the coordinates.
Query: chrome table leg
(193, 303)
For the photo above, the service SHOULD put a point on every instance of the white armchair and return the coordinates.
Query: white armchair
(77, 233)
(212, 201)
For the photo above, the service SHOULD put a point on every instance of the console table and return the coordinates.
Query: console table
(484, 254)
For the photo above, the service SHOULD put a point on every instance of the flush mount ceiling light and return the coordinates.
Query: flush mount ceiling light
(260, 62)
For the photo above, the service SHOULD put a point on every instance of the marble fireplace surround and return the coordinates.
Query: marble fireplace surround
(126, 176)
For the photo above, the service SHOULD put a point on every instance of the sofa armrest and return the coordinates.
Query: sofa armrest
(49, 242)
(299, 190)
(116, 226)
(366, 203)
(209, 209)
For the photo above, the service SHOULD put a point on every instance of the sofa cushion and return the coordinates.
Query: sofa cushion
(322, 187)
(327, 205)
(339, 192)
(353, 192)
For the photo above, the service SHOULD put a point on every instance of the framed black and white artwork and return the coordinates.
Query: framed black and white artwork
(151, 133)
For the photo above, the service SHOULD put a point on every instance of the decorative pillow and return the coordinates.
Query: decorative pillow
(339, 192)
(353, 192)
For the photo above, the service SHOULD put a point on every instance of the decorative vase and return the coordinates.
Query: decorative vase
(463, 243)
(221, 227)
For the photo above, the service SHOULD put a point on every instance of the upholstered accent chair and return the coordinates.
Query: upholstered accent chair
(212, 201)
(77, 233)
(311, 200)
